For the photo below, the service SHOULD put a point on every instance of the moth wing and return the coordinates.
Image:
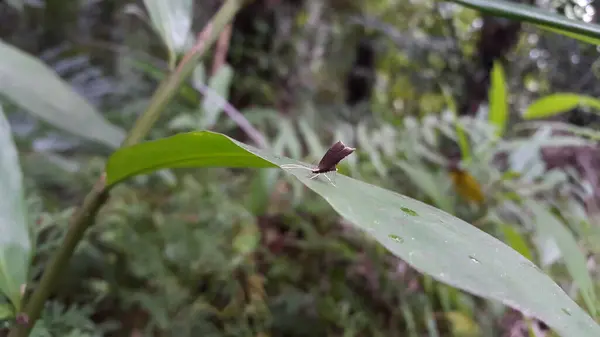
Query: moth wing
(335, 154)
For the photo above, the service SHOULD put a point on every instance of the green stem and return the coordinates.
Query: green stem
(86, 214)
(169, 87)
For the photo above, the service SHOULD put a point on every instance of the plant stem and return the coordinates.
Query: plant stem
(93, 201)
(168, 88)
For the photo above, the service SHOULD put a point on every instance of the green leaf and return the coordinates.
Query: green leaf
(289, 138)
(530, 14)
(548, 224)
(498, 99)
(463, 143)
(409, 318)
(516, 240)
(216, 98)
(199, 74)
(172, 20)
(558, 103)
(432, 241)
(580, 37)
(430, 320)
(365, 142)
(15, 244)
(33, 86)
(461, 135)
(193, 149)
(424, 180)
(315, 149)
(6, 311)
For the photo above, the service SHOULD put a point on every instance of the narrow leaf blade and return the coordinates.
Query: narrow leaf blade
(534, 15)
(432, 241)
(33, 86)
(555, 104)
(193, 149)
(498, 99)
(15, 244)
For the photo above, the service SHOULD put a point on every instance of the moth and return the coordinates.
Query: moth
(328, 163)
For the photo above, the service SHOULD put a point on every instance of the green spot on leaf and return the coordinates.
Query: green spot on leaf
(409, 211)
(396, 238)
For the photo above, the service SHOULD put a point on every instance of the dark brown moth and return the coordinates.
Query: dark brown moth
(332, 157)
(328, 163)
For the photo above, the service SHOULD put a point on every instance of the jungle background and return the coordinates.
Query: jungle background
(231, 252)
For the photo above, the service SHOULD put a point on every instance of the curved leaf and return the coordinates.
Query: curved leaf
(33, 86)
(432, 241)
(580, 37)
(193, 149)
(542, 18)
(15, 244)
(172, 20)
(558, 103)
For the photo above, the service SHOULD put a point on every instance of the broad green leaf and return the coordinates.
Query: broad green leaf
(15, 244)
(558, 103)
(548, 224)
(172, 20)
(432, 241)
(530, 14)
(498, 114)
(193, 149)
(33, 86)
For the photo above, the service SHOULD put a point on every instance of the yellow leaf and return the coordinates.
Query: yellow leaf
(462, 325)
(466, 186)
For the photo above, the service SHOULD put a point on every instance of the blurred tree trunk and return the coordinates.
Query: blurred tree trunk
(496, 38)
(60, 17)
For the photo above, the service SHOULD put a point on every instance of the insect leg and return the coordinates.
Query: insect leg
(331, 181)
(292, 166)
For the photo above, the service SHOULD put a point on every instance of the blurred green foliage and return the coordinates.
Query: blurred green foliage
(218, 252)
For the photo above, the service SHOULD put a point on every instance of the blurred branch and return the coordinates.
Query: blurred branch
(86, 214)
(235, 115)
(221, 49)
